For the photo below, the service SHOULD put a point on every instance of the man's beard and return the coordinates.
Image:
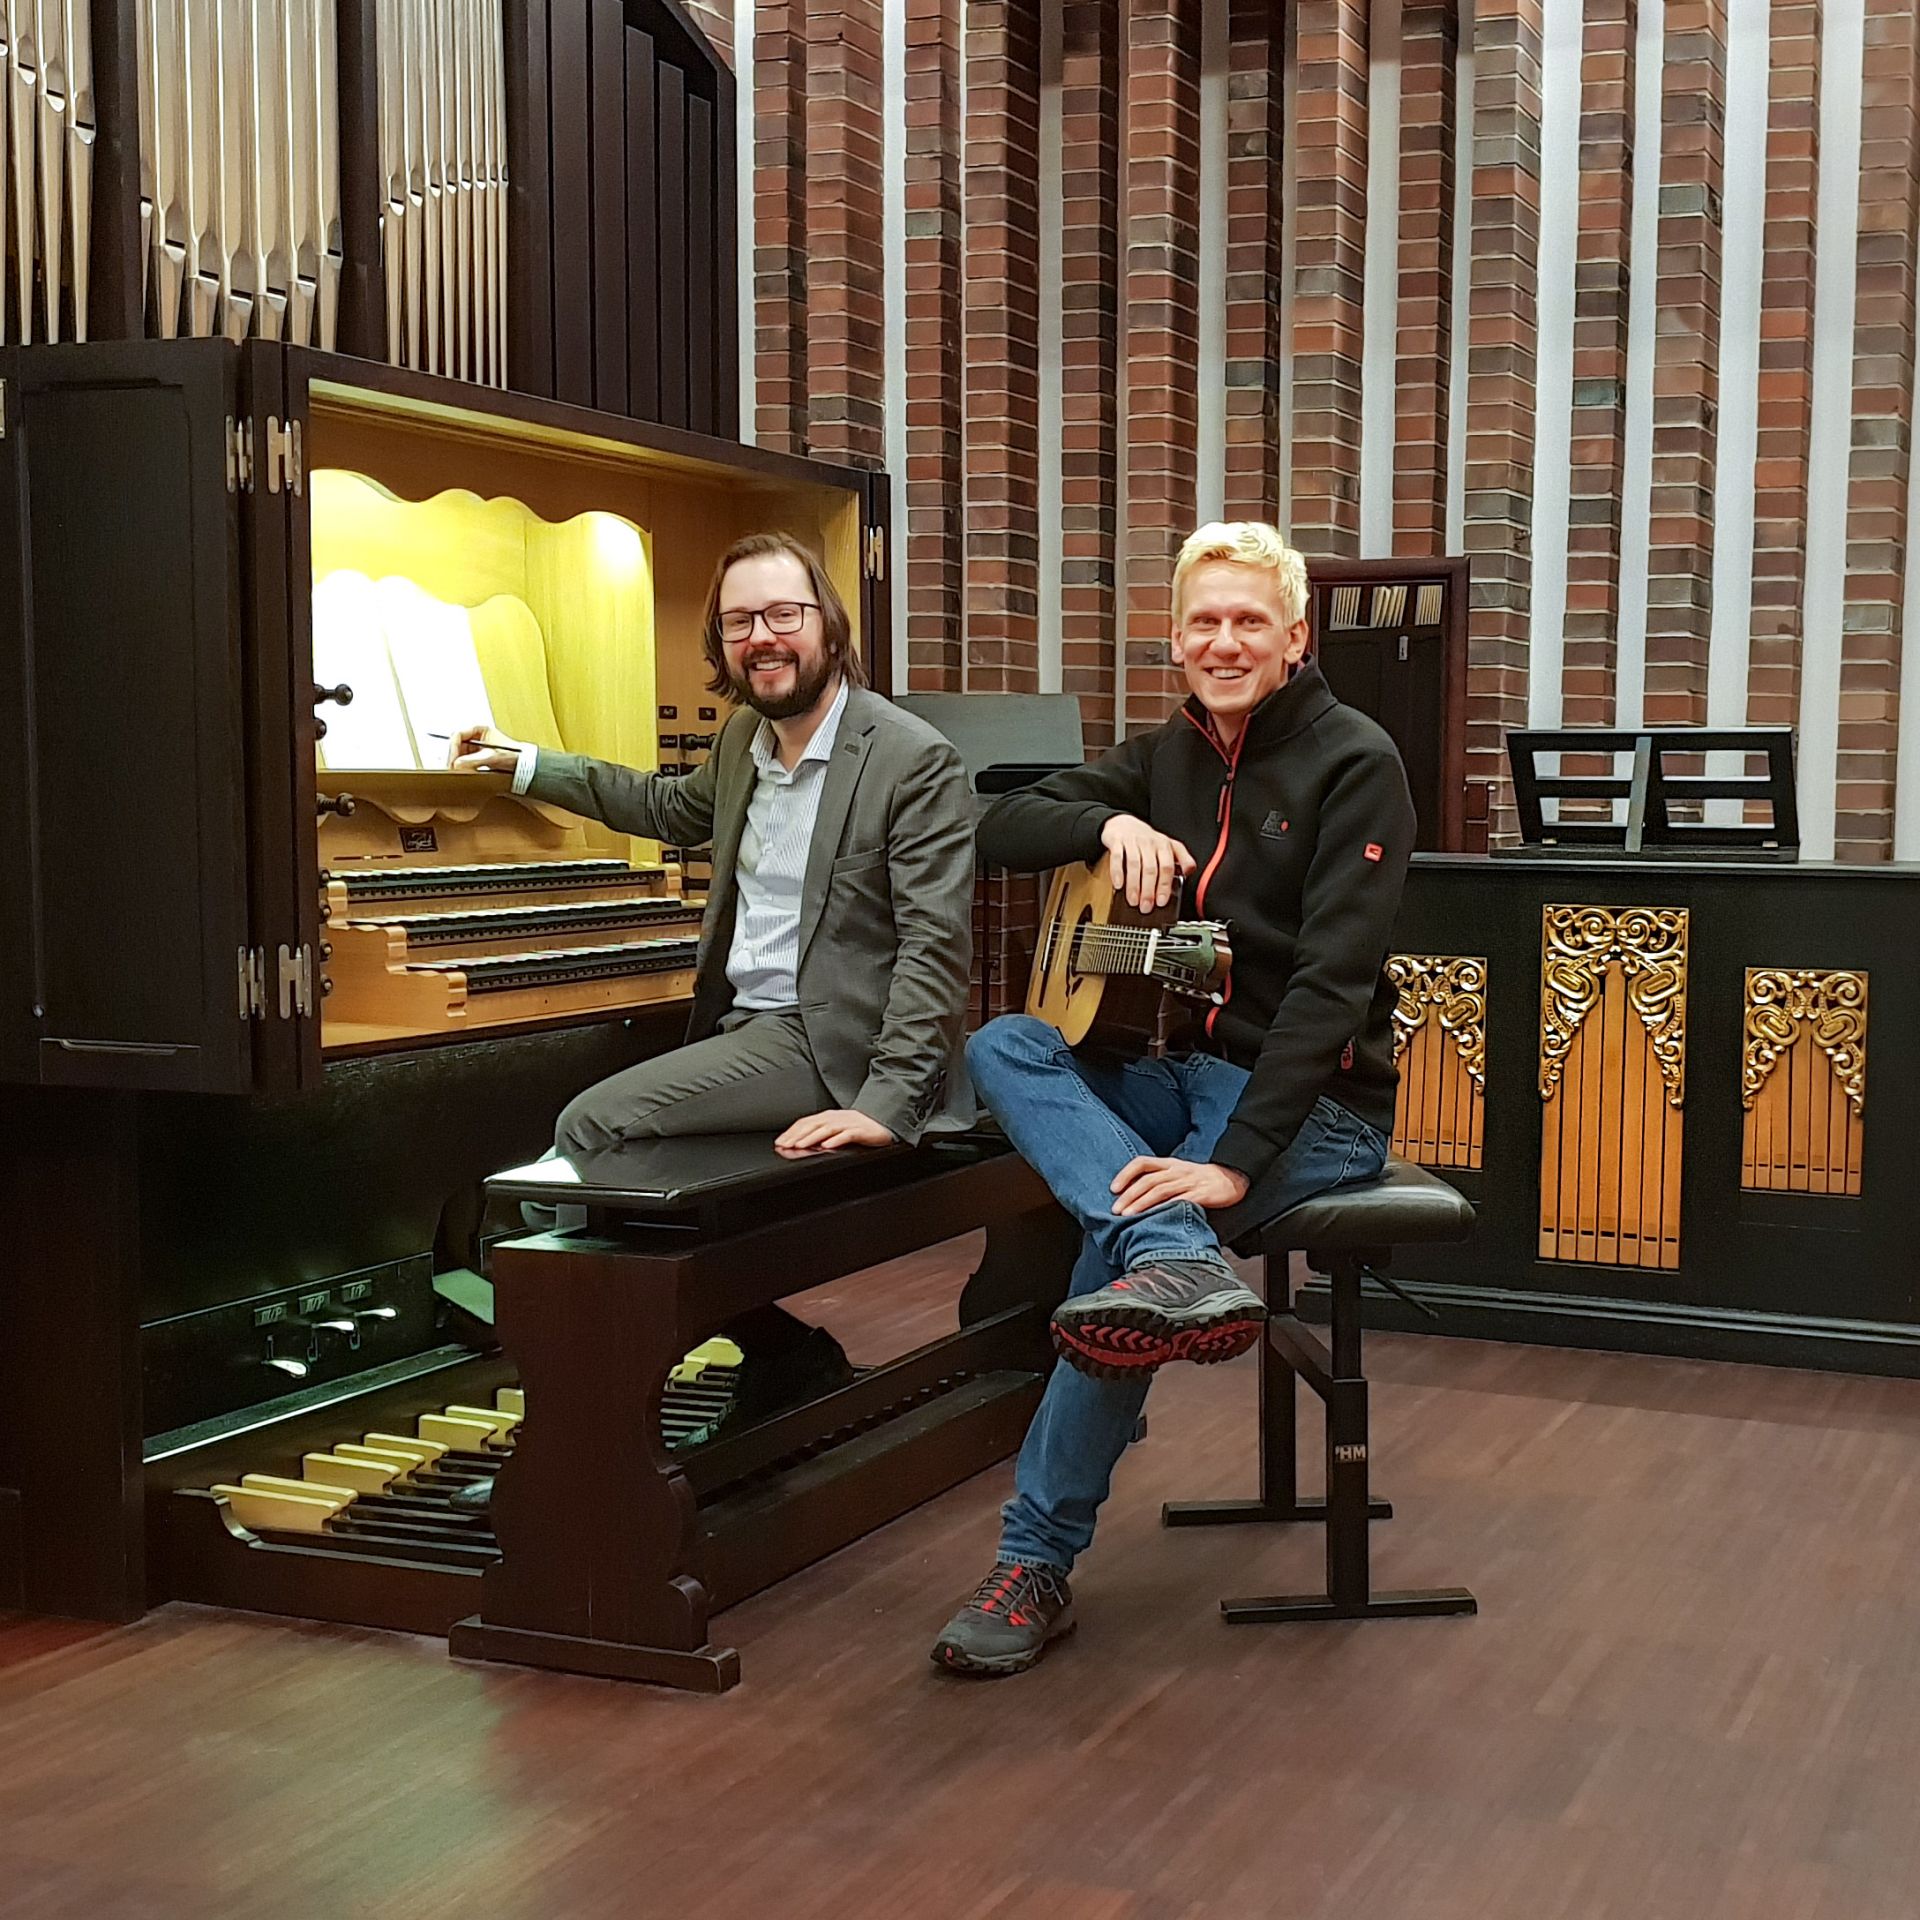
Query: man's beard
(808, 686)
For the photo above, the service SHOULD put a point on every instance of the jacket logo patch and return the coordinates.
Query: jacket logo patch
(1275, 823)
(1375, 851)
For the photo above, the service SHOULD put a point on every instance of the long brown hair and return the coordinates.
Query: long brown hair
(836, 628)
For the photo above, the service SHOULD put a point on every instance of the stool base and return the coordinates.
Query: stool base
(1281, 1608)
(1232, 1513)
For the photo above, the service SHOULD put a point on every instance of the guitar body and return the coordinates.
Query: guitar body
(1091, 1009)
(1102, 969)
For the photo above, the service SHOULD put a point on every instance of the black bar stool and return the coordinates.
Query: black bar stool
(1342, 1233)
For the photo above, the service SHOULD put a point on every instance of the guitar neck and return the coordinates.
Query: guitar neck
(1115, 952)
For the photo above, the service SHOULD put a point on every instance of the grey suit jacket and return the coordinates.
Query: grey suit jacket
(886, 908)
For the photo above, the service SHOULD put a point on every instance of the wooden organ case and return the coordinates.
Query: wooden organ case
(277, 990)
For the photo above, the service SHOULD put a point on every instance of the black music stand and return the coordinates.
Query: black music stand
(1661, 817)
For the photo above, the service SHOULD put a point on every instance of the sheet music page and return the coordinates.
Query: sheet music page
(437, 665)
(350, 646)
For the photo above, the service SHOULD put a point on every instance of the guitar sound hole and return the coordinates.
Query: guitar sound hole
(1080, 927)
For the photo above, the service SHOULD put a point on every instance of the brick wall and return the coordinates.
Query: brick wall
(779, 201)
(1504, 326)
(1601, 299)
(1160, 277)
(1089, 405)
(935, 540)
(1002, 371)
(1883, 347)
(1329, 273)
(1423, 351)
(1785, 420)
(1256, 132)
(1686, 367)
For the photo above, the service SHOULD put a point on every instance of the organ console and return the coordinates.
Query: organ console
(324, 985)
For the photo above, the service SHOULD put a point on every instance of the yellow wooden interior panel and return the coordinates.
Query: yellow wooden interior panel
(1802, 1134)
(1438, 1120)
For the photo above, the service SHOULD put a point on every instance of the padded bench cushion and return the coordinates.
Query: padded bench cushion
(696, 1169)
(1405, 1205)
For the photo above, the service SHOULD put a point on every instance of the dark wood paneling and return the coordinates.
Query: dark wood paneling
(704, 350)
(363, 272)
(643, 232)
(571, 212)
(20, 967)
(671, 176)
(726, 294)
(529, 199)
(133, 643)
(876, 596)
(69, 1353)
(116, 289)
(607, 67)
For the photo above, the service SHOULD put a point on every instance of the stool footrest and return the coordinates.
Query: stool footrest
(1281, 1608)
(1229, 1513)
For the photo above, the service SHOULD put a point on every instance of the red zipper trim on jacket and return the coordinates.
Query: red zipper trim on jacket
(1225, 817)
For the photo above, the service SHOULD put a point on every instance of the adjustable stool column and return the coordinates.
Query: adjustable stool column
(1341, 1233)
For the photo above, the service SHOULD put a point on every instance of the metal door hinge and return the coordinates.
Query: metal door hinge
(283, 456)
(252, 983)
(296, 982)
(876, 554)
(239, 455)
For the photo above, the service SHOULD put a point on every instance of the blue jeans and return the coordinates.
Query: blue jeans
(1077, 1122)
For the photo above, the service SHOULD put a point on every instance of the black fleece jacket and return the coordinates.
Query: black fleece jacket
(1303, 832)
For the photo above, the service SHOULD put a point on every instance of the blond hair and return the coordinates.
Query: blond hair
(1246, 543)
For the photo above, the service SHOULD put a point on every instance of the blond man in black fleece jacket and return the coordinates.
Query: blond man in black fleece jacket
(1267, 804)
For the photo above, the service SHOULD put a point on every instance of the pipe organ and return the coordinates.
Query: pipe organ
(47, 132)
(443, 221)
(240, 168)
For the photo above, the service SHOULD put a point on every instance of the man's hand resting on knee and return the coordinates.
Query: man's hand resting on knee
(837, 1127)
(1145, 1183)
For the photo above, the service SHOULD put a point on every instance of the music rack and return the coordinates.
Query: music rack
(1661, 802)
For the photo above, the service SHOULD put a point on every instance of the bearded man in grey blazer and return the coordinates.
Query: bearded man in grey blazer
(836, 948)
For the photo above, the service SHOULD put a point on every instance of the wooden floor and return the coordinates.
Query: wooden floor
(1693, 1693)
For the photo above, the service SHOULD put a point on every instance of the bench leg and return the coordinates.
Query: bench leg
(1348, 1506)
(597, 1525)
(1280, 1498)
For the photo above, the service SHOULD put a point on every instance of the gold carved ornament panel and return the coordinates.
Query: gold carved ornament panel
(1613, 1035)
(1439, 1045)
(1803, 1080)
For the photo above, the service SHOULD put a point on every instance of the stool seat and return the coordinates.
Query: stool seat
(1406, 1204)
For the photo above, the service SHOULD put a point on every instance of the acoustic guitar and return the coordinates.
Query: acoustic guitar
(1102, 968)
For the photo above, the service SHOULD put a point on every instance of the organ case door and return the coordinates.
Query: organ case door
(124, 925)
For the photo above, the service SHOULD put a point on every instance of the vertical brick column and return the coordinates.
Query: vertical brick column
(935, 538)
(780, 225)
(846, 344)
(1002, 345)
(1786, 364)
(1883, 350)
(1686, 365)
(1423, 353)
(1089, 265)
(1329, 273)
(1600, 315)
(1256, 131)
(1161, 290)
(1502, 343)
(714, 18)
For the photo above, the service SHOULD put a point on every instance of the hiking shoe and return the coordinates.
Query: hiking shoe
(1167, 1310)
(1007, 1624)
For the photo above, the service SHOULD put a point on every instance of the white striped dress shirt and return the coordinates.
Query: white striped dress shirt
(763, 964)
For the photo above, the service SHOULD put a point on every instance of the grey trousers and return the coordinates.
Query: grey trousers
(755, 1075)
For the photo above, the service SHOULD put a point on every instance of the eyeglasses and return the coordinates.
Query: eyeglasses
(784, 616)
